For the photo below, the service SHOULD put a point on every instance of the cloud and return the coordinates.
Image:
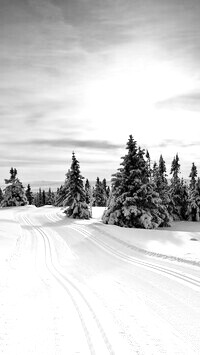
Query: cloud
(189, 101)
(176, 143)
(69, 143)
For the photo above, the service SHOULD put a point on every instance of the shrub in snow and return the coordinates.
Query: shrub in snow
(134, 201)
(14, 194)
(75, 198)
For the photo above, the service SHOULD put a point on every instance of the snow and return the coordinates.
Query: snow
(82, 287)
(180, 241)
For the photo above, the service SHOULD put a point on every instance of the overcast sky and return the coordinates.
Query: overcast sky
(84, 74)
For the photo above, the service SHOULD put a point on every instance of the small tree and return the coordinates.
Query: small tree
(29, 195)
(14, 194)
(76, 196)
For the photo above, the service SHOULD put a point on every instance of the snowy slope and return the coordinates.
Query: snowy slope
(81, 287)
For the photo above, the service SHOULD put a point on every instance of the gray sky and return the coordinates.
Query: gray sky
(84, 74)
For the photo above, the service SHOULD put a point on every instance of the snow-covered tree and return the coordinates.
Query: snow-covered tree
(106, 191)
(14, 193)
(160, 180)
(1, 195)
(29, 195)
(62, 191)
(194, 195)
(88, 192)
(175, 168)
(193, 175)
(98, 197)
(43, 198)
(76, 196)
(178, 193)
(134, 201)
(149, 163)
(50, 197)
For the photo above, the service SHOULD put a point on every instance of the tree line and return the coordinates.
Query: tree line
(16, 195)
(141, 194)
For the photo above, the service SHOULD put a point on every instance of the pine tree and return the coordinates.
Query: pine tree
(29, 195)
(88, 192)
(160, 180)
(99, 194)
(43, 198)
(175, 193)
(194, 195)
(1, 195)
(40, 197)
(184, 196)
(62, 192)
(175, 169)
(149, 163)
(193, 175)
(76, 196)
(50, 197)
(14, 194)
(134, 201)
(162, 169)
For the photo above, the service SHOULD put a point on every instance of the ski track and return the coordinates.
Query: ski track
(74, 294)
(98, 340)
(185, 279)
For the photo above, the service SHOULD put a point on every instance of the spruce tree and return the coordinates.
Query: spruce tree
(175, 188)
(76, 196)
(194, 195)
(134, 201)
(175, 169)
(193, 175)
(14, 194)
(62, 192)
(160, 180)
(99, 194)
(106, 191)
(50, 197)
(29, 195)
(1, 195)
(88, 192)
(40, 197)
(43, 198)
(149, 163)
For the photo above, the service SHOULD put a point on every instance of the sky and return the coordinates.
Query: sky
(82, 75)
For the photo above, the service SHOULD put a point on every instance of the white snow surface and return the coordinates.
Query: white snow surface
(81, 287)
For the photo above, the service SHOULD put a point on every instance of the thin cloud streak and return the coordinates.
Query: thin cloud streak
(68, 143)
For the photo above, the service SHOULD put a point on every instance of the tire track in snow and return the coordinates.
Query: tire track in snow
(73, 291)
(185, 279)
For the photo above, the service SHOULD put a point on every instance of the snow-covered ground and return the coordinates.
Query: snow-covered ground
(82, 287)
(180, 241)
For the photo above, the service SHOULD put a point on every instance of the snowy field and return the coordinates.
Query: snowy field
(82, 287)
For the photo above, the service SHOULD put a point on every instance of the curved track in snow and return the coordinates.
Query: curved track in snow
(75, 287)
